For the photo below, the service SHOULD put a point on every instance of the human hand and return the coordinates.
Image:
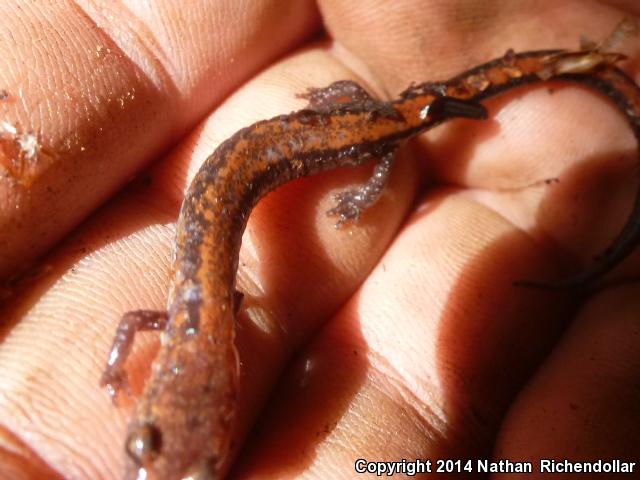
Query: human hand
(427, 358)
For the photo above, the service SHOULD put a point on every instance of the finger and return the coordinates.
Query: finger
(321, 420)
(431, 40)
(582, 403)
(552, 131)
(95, 93)
(573, 136)
(592, 183)
(422, 362)
(293, 271)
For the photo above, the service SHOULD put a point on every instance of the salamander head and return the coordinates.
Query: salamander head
(182, 428)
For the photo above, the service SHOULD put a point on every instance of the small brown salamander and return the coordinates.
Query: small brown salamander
(182, 424)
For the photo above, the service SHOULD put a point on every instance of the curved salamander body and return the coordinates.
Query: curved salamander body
(182, 424)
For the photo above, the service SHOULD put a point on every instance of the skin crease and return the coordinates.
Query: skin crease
(436, 355)
(136, 85)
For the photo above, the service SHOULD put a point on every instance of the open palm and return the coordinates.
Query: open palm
(399, 337)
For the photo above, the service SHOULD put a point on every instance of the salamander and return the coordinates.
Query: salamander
(181, 427)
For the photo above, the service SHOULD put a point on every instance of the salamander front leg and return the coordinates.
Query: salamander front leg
(114, 377)
(351, 203)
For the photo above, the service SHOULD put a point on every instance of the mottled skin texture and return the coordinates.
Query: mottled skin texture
(182, 424)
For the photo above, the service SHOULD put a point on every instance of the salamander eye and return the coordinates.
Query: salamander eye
(144, 443)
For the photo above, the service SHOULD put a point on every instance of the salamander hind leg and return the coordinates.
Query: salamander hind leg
(338, 93)
(345, 96)
(351, 203)
(114, 377)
